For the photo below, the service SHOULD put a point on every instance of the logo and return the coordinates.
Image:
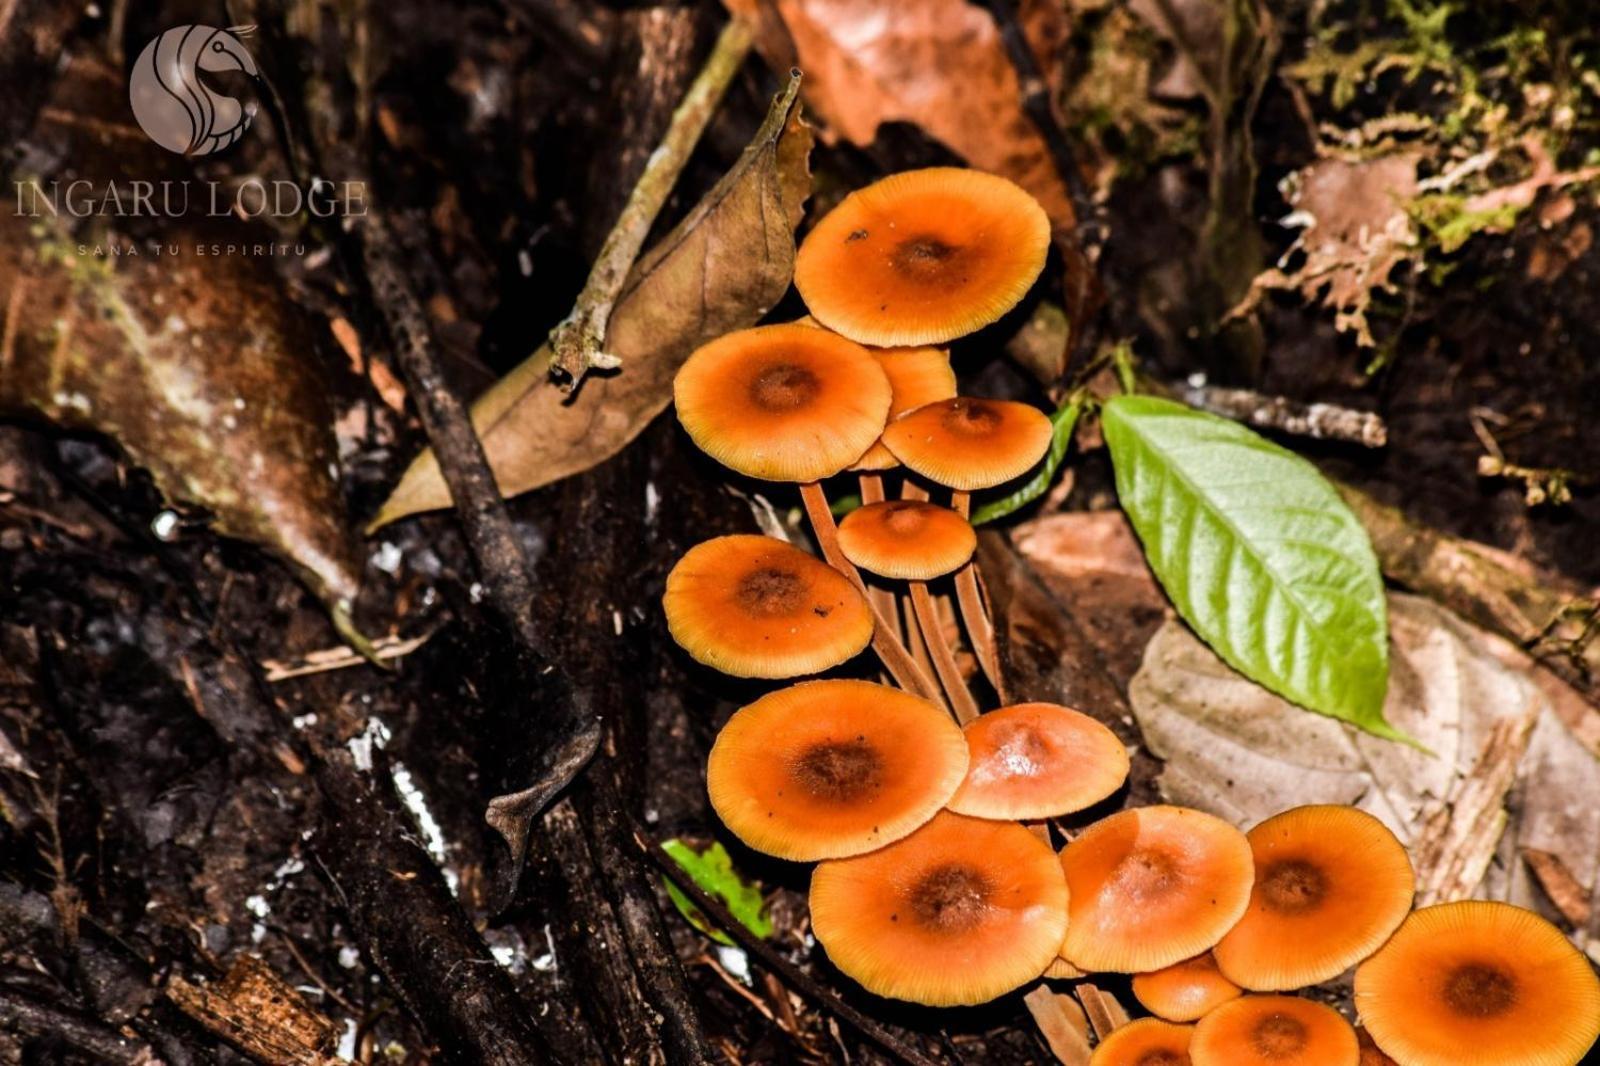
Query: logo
(173, 106)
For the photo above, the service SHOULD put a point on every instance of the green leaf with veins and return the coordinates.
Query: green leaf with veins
(1062, 421)
(712, 869)
(1259, 555)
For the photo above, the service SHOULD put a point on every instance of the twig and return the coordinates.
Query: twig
(792, 975)
(893, 654)
(577, 343)
(1319, 421)
(20, 1013)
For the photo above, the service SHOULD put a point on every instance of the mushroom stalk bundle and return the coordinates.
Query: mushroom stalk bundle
(931, 819)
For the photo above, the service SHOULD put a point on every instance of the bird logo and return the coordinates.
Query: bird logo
(170, 102)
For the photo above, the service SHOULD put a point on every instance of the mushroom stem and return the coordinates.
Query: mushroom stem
(974, 614)
(1105, 1013)
(907, 674)
(1062, 1024)
(883, 600)
(944, 659)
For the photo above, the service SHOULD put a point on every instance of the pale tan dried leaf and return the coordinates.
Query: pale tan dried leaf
(1239, 751)
(938, 64)
(720, 269)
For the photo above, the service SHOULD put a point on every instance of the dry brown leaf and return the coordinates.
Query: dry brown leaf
(1235, 749)
(720, 269)
(939, 64)
(196, 364)
(1355, 231)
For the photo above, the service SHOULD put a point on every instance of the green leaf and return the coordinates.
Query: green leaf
(712, 869)
(1062, 421)
(1259, 555)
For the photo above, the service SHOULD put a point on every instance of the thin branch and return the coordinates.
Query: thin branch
(577, 344)
(791, 974)
(1319, 421)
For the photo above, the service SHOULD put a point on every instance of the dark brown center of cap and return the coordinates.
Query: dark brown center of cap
(1293, 886)
(1278, 1036)
(1146, 874)
(771, 592)
(966, 417)
(1480, 990)
(841, 771)
(923, 257)
(1162, 1057)
(904, 519)
(784, 387)
(951, 898)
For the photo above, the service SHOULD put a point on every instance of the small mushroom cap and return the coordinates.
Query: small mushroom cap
(959, 912)
(1479, 984)
(1274, 1031)
(754, 606)
(917, 376)
(922, 257)
(1186, 991)
(907, 539)
(784, 403)
(969, 443)
(827, 769)
(1332, 883)
(1038, 760)
(1145, 1042)
(1152, 886)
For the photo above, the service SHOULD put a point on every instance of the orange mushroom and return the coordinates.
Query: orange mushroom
(968, 443)
(1152, 886)
(1186, 991)
(756, 607)
(1274, 1031)
(1332, 883)
(917, 376)
(959, 912)
(785, 403)
(922, 257)
(826, 769)
(1145, 1042)
(1479, 984)
(1372, 1054)
(907, 539)
(1038, 760)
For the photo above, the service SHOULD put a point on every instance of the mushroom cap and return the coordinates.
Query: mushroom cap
(828, 769)
(917, 376)
(1186, 991)
(969, 443)
(1274, 1031)
(1372, 1054)
(1038, 760)
(1152, 886)
(959, 912)
(754, 606)
(1478, 983)
(784, 403)
(1145, 1042)
(906, 539)
(1332, 883)
(922, 257)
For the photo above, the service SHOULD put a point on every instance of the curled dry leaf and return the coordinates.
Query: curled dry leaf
(938, 64)
(1355, 228)
(719, 270)
(1506, 772)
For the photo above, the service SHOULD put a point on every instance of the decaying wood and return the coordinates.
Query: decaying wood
(1318, 421)
(22, 1013)
(1558, 883)
(1460, 832)
(258, 1012)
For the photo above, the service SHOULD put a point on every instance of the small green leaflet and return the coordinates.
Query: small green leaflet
(1259, 555)
(712, 869)
(1062, 421)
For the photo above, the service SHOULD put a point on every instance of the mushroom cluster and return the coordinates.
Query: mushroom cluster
(937, 879)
